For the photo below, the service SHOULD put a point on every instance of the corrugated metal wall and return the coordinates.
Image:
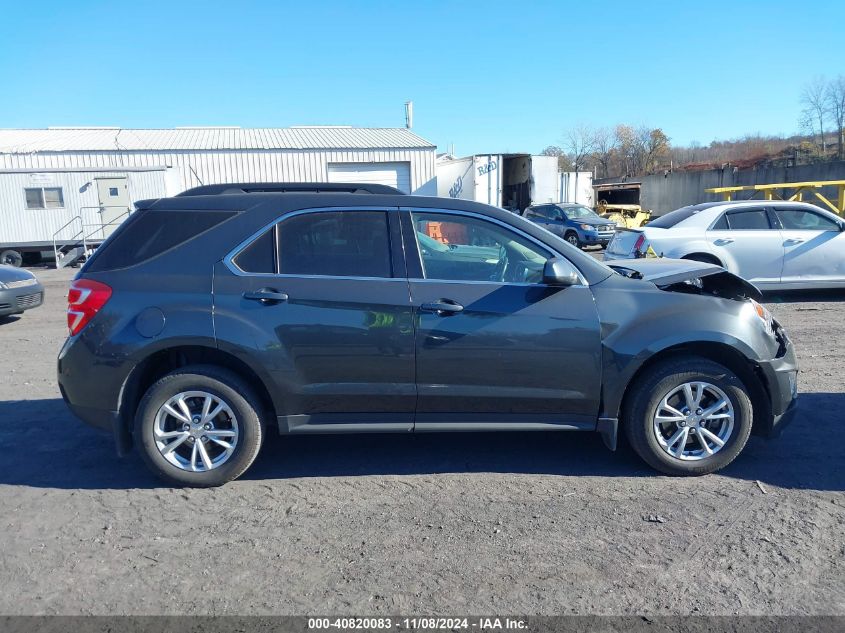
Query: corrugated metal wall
(209, 167)
(19, 225)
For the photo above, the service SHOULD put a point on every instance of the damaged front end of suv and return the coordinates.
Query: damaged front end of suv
(717, 309)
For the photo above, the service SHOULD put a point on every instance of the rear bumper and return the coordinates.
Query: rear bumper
(16, 300)
(98, 418)
(91, 389)
(104, 420)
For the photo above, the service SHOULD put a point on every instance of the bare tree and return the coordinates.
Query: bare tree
(579, 142)
(563, 162)
(655, 147)
(635, 150)
(626, 144)
(836, 107)
(814, 99)
(604, 148)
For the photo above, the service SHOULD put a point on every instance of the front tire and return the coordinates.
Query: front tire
(688, 416)
(199, 426)
(572, 238)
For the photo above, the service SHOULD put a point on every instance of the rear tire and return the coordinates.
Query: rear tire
(167, 442)
(647, 413)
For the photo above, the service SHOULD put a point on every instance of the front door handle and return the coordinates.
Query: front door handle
(443, 307)
(266, 296)
(724, 240)
(793, 240)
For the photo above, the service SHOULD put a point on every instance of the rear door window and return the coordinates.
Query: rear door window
(335, 244)
(748, 220)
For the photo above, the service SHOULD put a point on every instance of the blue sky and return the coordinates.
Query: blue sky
(483, 75)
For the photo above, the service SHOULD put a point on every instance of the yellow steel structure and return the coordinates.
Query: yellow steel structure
(769, 192)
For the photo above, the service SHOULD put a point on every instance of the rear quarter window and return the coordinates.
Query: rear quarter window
(721, 224)
(152, 233)
(260, 256)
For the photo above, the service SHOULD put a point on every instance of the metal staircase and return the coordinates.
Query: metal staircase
(71, 250)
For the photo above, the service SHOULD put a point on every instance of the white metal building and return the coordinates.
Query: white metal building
(49, 176)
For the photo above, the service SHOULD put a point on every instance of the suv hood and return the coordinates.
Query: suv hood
(592, 221)
(683, 275)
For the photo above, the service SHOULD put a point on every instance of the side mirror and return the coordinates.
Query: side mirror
(559, 272)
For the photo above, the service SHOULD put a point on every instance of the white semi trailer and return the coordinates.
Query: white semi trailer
(509, 181)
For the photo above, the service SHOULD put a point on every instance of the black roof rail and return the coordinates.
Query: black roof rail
(290, 187)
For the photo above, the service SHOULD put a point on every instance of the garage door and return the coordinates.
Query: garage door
(394, 174)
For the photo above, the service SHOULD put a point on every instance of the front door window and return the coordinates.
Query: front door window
(463, 248)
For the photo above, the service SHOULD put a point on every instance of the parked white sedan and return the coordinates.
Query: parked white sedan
(771, 243)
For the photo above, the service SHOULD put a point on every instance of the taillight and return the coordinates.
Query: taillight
(84, 299)
(638, 245)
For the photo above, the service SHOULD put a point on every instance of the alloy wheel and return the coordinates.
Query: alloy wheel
(693, 421)
(196, 431)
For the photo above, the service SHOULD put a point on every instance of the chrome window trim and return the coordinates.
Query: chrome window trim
(229, 260)
(487, 218)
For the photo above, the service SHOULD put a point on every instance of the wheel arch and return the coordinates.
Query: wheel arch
(700, 256)
(164, 361)
(746, 370)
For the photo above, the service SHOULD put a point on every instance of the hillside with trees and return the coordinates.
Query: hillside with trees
(624, 150)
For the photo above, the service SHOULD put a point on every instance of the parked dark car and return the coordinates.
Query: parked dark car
(577, 224)
(208, 319)
(19, 291)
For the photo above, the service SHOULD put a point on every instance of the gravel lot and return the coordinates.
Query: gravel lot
(509, 523)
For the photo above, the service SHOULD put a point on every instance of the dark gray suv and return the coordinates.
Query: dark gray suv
(210, 318)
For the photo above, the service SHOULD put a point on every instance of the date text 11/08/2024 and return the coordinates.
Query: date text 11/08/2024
(418, 623)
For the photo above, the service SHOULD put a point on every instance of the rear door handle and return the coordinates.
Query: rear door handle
(794, 240)
(724, 240)
(266, 296)
(443, 307)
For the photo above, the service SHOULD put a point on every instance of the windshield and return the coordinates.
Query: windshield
(577, 213)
